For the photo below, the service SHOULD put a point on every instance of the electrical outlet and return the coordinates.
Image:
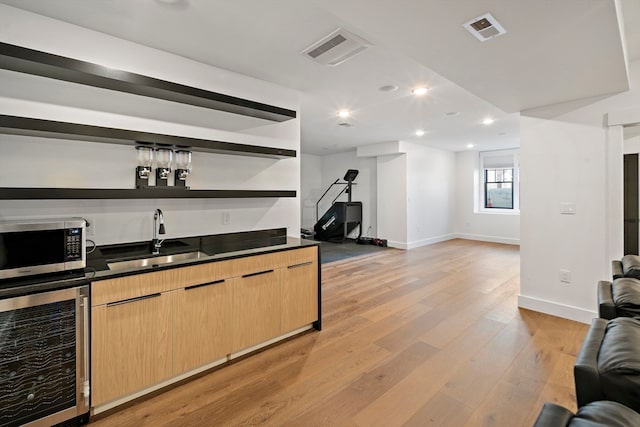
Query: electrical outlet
(91, 226)
(565, 276)
(226, 218)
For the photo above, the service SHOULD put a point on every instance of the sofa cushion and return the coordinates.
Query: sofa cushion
(626, 296)
(631, 266)
(619, 362)
(605, 413)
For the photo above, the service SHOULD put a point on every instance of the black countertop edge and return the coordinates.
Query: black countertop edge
(292, 243)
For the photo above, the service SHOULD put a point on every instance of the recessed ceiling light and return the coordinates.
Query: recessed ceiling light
(419, 91)
(419, 132)
(452, 113)
(470, 145)
(487, 121)
(344, 113)
(388, 88)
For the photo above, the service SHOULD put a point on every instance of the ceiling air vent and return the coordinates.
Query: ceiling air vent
(484, 27)
(336, 48)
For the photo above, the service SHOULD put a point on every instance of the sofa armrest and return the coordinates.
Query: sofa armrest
(606, 307)
(616, 269)
(553, 415)
(585, 370)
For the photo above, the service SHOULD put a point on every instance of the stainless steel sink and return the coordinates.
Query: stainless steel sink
(153, 260)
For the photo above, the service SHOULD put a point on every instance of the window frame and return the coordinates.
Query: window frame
(483, 156)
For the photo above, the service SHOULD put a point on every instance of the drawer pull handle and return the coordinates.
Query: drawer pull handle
(302, 264)
(127, 301)
(215, 282)
(257, 274)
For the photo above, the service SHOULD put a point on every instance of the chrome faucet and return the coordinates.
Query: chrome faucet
(157, 243)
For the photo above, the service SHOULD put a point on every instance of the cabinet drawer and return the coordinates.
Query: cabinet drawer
(124, 288)
(199, 274)
(301, 256)
(257, 263)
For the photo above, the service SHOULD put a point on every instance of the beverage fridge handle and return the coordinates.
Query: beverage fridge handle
(85, 322)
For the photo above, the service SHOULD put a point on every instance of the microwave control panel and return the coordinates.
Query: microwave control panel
(73, 244)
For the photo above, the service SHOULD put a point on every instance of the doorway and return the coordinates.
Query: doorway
(631, 207)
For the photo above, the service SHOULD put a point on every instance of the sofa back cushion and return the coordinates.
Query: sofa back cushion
(631, 266)
(626, 296)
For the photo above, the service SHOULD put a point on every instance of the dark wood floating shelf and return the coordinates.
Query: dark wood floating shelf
(145, 193)
(53, 129)
(25, 60)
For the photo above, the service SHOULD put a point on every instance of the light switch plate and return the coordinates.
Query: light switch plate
(568, 208)
(565, 276)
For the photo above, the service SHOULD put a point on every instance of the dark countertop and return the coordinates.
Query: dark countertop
(98, 269)
(214, 247)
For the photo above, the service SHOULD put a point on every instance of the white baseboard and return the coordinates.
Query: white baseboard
(430, 241)
(444, 238)
(484, 238)
(560, 310)
(397, 245)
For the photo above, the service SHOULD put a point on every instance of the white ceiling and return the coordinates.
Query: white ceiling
(553, 52)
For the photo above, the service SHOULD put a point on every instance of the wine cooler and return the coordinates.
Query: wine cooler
(44, 374)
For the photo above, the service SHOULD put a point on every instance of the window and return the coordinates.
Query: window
(499, 186)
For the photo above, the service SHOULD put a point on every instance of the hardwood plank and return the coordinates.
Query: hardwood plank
(441, 410)
(409, 395)
(366, 388)
(504, 408)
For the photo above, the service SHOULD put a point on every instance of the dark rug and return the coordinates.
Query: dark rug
(349, 248)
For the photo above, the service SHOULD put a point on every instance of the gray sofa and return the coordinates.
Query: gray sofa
(608, 364)
(620, 298)
(596, 414)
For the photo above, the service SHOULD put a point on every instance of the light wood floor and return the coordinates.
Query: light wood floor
(430, 336)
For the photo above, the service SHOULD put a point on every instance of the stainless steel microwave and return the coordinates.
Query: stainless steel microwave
(41, 246)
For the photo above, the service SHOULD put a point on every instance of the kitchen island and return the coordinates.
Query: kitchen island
(155, 325)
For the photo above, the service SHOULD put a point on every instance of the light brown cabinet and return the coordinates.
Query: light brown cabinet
(257, 308)
(299, 289)
(152, 327)
(202, 324)
(131, 345)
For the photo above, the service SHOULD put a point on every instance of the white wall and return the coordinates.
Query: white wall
(392, 199)
(473, 225)
(562, 162)
(39, 162)
(310, 188)
(415, 193)
(567, 160)
(422, 195)
(431, 177)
